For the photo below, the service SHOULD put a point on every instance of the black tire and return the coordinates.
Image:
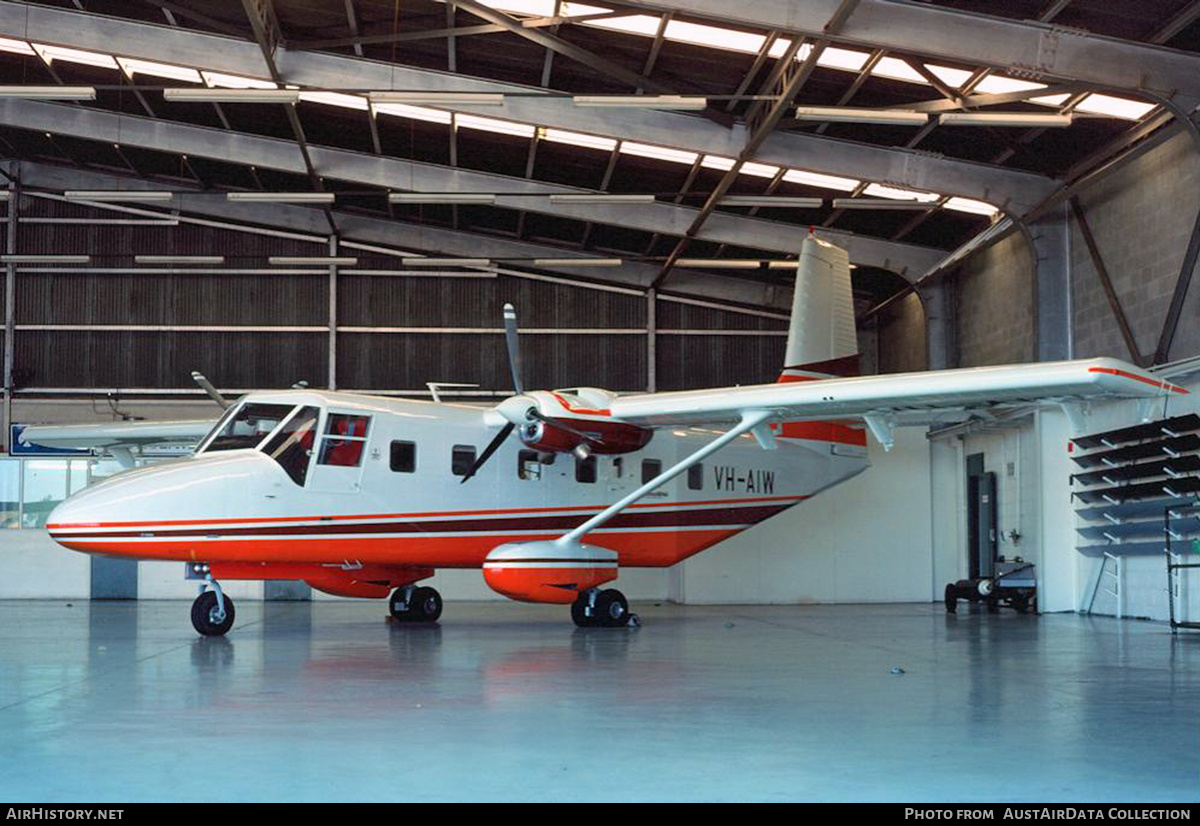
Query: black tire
(951, 599)
(426, 605)
(202, 615)
(612, 609)
(577, 612)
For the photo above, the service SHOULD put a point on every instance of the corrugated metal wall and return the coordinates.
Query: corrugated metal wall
(365, 360)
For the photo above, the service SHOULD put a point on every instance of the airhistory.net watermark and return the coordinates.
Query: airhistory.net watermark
(43, 813)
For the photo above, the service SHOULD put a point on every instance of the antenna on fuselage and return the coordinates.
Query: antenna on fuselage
(208, 388)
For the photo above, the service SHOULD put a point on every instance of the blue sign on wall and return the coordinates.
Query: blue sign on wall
(17, 448)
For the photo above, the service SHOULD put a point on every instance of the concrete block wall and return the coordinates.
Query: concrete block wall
(1141, 216)
(994, 305)
(901, 337)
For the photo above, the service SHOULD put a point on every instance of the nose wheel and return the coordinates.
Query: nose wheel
(603, 609)
(212, 613)
(410, 604)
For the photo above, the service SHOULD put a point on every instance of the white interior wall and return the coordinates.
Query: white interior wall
(869, 539)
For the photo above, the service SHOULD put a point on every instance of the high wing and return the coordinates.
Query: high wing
(118, 438)
(906, 398)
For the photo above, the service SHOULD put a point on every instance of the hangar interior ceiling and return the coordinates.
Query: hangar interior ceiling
(695, 274)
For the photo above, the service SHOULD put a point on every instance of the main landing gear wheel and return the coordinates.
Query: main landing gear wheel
(602, 609)
(207, 616)
(409, 604)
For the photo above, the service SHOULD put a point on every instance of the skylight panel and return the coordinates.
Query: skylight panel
(1050, 100)
(500, 127)
(133, 67)
(954, 78)
(998, 85)
(897, 69)
(578, 139)
(579, 9)
(714, 36)
(52, 53)
(717, 162)
(536, 8)
(897, 194)
(660, 153)
(967, 205)
(799, 176)
(403, 110)
(643, 24)
(780, 46)
(845, 59)
(1116, 107)
(15, 46)
(759, 170)
(336, 99)
(225, 81)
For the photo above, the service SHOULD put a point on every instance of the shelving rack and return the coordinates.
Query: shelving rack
(1137, 494)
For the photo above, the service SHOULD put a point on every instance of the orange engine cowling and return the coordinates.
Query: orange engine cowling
(607, 436)
(546, 571)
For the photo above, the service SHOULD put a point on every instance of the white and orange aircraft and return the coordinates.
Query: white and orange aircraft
(364, 496)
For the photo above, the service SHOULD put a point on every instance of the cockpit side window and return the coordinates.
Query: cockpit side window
(292, 446)
(251, 423)
(344, 439)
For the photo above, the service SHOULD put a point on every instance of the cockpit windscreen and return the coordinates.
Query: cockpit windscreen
(248, 426)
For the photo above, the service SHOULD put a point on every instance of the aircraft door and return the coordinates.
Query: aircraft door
(341, 453)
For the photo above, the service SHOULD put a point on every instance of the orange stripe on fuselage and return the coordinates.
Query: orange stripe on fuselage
(644, 549)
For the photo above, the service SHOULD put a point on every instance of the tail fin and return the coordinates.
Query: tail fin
(822, 342)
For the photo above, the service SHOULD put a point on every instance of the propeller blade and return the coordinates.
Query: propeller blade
(207, 387)
(587, 437)
(514, 350)
(488, 451)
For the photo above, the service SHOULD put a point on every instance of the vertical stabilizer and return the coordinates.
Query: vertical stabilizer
(822, 341)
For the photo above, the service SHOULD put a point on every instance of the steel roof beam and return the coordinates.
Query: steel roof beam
(414, 237)
(1010, 189)
(1022, 46)
(400, 174)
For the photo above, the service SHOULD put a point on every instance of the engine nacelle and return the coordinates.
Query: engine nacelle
(544, 439)
(545, 571)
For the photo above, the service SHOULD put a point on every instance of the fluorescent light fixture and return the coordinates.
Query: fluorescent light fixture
(314, 260)
(800, 176)
(772, 201)
(577, 262)
(643, 101)
(52, 53)
(878, 203)
(758, 170)
(231, 95)
(133, 67)
(15, 46)
(5, 194)
(501, 127)
(578, 139)
(282, 197)
(446, 262)
(846, 114)
(49, 92)
(1002, 119)
(658, 153)
(179, 259)
(790, 264)
(45, 259)
(117, 195)
(438, 98)
(441, 198)
(602, 199)
(717, 162)
(719, 263)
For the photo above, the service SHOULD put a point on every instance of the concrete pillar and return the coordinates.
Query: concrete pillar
(1050, 241)
(940, 339)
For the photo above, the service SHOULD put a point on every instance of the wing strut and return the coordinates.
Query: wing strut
(750, 420)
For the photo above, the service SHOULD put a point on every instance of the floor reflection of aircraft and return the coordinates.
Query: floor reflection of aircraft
(365, 496)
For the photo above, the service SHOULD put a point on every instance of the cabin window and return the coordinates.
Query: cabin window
(650, 469)
(292, 446)
(618, 467)
(696, 476)
(585, 470)
(462, 458)
(344, 440)
(404, 457)
(529, 465)
(247, 427)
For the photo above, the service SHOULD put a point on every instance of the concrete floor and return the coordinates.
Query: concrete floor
(121, 701)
